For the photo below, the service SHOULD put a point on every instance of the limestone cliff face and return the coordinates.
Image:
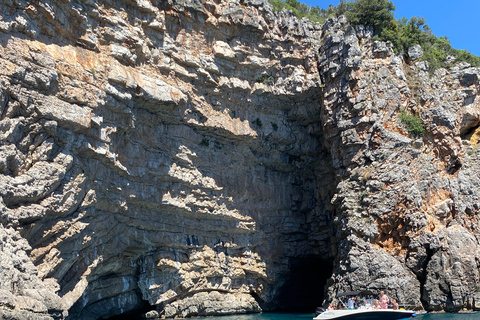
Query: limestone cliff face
(182, 158)
(160, 155)
(406, 209)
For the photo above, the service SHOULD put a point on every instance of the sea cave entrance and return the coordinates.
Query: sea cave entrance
(134, 314)
(304, 290)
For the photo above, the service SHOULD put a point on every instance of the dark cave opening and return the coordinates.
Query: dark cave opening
(304, 290)
(135, 314)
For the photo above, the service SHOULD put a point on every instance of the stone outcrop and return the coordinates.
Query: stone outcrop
(406, 208)
(162, 156)
(21, 287)
(184, 158)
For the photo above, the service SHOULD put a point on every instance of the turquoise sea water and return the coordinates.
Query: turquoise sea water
(446, 316)
(309, 316)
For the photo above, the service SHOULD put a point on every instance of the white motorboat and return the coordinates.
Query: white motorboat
(366, 314)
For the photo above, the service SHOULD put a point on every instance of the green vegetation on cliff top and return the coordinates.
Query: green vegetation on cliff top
(379, 14)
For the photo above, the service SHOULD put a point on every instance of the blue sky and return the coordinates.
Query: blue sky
(459, 20)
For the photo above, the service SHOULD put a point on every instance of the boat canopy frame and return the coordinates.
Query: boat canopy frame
(355, 293)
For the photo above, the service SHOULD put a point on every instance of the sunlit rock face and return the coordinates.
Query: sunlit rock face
(407, 210)
(161, 156)
(183, 158)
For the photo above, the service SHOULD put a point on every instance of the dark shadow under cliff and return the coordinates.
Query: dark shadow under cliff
(136, 314)
(304, 290)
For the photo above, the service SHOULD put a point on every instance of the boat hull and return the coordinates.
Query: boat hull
(366, 314)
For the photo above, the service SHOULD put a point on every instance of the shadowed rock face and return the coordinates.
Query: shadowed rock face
(200, 158)
(162, 155)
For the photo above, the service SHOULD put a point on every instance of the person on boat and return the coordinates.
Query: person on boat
(368, 304)
(383, 299)
(351, 303)
(376, 304)
(339, 306)
(331, 307)
(394, 304)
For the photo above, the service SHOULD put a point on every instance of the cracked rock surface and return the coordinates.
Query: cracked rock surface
(181, 158)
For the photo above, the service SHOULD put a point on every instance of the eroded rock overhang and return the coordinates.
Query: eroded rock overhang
(194, 158)
(160, 157)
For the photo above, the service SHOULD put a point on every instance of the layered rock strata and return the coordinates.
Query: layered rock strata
(179, 158)
(161, 156)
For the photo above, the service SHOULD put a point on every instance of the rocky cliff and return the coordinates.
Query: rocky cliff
(182, 158)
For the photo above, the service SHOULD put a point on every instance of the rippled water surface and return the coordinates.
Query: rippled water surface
(446, 316)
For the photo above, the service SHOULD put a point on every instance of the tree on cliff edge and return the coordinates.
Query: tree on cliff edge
(403, 33)
(375, 13)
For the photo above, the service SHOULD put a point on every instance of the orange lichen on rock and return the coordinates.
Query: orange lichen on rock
(392, 232)
(436, 196)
